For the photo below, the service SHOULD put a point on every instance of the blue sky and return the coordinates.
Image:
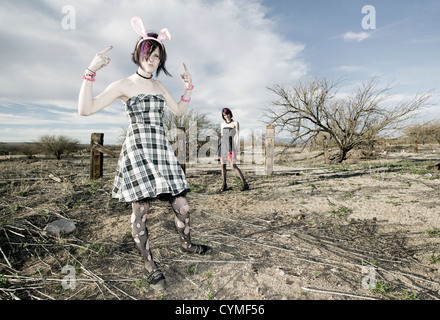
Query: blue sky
(234, 50)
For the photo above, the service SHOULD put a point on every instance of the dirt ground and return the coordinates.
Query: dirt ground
(363, 229)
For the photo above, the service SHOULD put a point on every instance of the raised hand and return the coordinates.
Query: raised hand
(186, 77)
(100, 60)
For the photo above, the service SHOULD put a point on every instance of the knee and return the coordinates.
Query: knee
(184, 210)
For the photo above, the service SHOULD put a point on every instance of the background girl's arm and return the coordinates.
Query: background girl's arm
(237, 136)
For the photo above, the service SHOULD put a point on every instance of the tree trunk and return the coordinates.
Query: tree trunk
(342, 155)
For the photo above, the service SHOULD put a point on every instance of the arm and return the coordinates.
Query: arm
(179, 108)
(87, 105)
(237, 136)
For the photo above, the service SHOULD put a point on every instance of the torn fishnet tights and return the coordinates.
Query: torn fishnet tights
(140, 233)
(182, 221)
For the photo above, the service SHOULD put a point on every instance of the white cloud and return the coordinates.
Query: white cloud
(231, 48)
(356, 36)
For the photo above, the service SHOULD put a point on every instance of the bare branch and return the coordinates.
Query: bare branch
(310, 108)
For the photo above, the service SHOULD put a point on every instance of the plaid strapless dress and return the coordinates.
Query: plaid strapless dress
(147, 166)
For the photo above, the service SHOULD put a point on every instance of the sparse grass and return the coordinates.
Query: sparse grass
(433, 258)
(195, 187)
(242, 227)
(341, 212)
(192, 269)
(211, 295)
(433, 232)
(349, 195)
(381, 288)
(409, 295)
(93, 186)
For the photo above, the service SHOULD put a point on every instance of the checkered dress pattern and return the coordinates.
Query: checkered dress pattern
(147, 166)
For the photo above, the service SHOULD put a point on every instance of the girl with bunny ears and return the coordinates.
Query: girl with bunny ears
(147, 167)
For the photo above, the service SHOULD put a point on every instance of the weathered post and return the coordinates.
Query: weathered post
(181, 147)
(326, 154)
(270, 146)
(96, 157)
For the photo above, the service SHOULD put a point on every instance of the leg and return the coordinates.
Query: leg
(182, 221)
(237, 170)
(140, 235)
(224, 185)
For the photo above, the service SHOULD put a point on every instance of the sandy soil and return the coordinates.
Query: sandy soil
(364, 229)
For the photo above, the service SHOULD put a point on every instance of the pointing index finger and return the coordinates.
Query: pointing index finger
(184, 65)
(106, 49)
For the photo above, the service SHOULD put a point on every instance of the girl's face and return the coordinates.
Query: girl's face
(151, 63)
(227, 117)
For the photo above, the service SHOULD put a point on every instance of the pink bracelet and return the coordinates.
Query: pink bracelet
(90, 76)
(89, 79)
(184, 100)
(192, 87)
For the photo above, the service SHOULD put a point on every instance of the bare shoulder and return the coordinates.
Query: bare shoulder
(120, 84)
(161, 86)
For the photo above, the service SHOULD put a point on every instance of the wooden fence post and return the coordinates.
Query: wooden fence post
(270, 146)
(96, 157)
(97, 151)
(181, 147)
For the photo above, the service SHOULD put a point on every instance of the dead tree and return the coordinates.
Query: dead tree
(308, 109)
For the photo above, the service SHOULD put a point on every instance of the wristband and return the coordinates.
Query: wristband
(190, 88)
(184, 100)
(90, 76)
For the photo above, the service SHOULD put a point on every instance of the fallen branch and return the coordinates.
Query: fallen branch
(54, 178)
(339, 293)
(6, 259)
(210, 261)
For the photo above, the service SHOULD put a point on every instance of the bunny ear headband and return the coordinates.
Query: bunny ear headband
(138, 26)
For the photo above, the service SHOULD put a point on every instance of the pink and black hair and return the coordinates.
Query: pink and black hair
(144, 49)
(226, 111)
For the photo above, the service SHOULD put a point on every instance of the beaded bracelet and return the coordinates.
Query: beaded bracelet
(184, 100)
(90, 76)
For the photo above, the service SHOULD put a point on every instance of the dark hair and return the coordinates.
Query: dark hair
(145, 48)
(228, 112)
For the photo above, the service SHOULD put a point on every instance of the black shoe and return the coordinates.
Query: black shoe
(224, 188)
(156, 279)
(197, 248)
(245, 187)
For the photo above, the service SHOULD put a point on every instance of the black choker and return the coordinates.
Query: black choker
(143, 76)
